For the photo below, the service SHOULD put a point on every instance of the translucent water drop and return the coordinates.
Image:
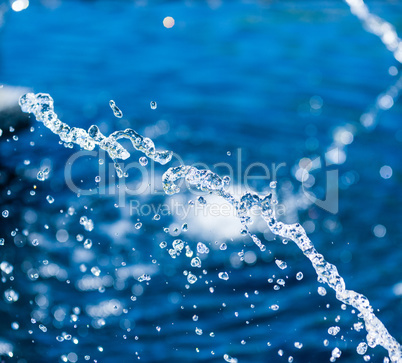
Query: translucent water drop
(198, 331)
(35, 242)
(322, 291)
(15, 325)
(43, 174)
(333, 330)
(228, 153)
(201, 248)
(143, 160)
(153, 105)
(97, 178)
(223, 247)
(298, 345)
(178, 245)
(50, 199)
(195, 317)
(196, 262)
(223, 275)
(95, 270)
(88, 244)
(11, 296)
(184, 227)
(138, 225)
(201, 200)
(361, 348)
(281, 264)
(163, 244)
(299, 276)
(5, 213)
(191, 278)
(272, 184)
(274, 307)
(156, 217)
(117, 112)
(2, 241)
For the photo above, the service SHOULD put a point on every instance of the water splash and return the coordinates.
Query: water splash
(207, 181)
(41, 105)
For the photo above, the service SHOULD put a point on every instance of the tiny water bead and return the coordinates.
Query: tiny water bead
(299, 276)
(322, 291)
(223, 275)
(191, 278)
(281, 264)
(143, 161)
(50, 199)
(116, 111)
(97, 178)
(5, 213)
(43, 174)
(87, 244)
(153, 105)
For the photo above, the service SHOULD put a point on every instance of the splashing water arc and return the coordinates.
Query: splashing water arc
(41, 105)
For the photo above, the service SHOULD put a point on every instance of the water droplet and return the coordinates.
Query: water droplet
(201, 200)
(201, 248)
(195, 317)
(138, 225)
(198, 331)
(117, 112)
(333, 330)
(223, 275)
(163, 244)
(361, 348)
(223, 247)
(299, 276)
(191, 278)
(274, 307)
(156, 217)
(50, 199)
(95, 270)
(281, 264)
(153, 105)
(35, 242)
(143, 160)
(196, 262)
(321, 291)
(97, 178)
(5, 213)
(272, 184)
(298, 345)
(184, 227)
(87, 244)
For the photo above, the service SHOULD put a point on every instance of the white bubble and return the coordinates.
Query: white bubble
(153, 105)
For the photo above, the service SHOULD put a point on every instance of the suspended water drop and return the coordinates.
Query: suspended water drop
(5, 213)
(138, 225)
(333, 330)
(201, 200)
(95, 270)
(50, 199)
(191, 278)
(163, 244)
(153, 105)
(184, 227)
(196, 262)
(43, 174)
(223, 275)
(202, 248)
(322, 291)
(156, 217)
(272, 184)
(195, 317)
(97, 178)
(117, 112)
(143, 161)
(88, 244)
(299, 276)
(281, 264)
(223, 246)
(198, 331)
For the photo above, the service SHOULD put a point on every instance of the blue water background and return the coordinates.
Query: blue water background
(240, 75)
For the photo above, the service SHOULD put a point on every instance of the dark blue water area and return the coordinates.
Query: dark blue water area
(238, 77)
